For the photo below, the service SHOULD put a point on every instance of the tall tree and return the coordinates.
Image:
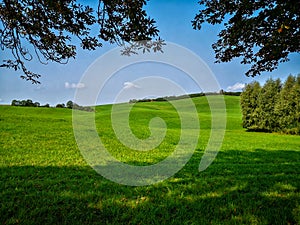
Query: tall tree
(286, 105)
(267, 100)
(262, 32)
(250, 106)
(50, 27)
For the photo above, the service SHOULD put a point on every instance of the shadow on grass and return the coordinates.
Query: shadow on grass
(260, 187)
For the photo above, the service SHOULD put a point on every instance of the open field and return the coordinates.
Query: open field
(255, 178)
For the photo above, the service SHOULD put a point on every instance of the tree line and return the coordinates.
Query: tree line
(273, 107)
(28, 103)
(69, 104)
(193, 95)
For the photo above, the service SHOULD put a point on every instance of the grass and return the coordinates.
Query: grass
(255, 178)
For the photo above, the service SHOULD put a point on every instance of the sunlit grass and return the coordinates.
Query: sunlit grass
(255, 178)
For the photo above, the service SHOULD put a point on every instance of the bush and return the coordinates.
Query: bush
(60, 105)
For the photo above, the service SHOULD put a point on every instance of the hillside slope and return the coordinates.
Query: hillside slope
(255, 178)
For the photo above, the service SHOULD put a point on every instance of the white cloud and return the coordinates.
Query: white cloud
(74, 85)
(128, 85)
(236, 87)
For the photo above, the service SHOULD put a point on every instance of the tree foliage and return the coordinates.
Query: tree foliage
(267, 101)
(50, 28)
(28, 103)
(262, 32)
(69, 104)
(273, 107)
(249, 103)
(288, 107)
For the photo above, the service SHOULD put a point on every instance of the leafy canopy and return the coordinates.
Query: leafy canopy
(50, 27)
(262, 32)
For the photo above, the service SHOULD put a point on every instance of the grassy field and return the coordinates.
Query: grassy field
(255, 178)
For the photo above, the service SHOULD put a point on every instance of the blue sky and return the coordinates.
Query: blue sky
(59, 82)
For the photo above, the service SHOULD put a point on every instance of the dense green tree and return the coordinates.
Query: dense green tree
(50, 27)
(267, 100)
(15, 102)
(262, 32)
(37, 104)
(70, 104)
(274, 107)
(286, 105)
(60, 105)
(250, 106)
(28, 103)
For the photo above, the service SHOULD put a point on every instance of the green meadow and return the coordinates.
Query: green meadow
(255, 178)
